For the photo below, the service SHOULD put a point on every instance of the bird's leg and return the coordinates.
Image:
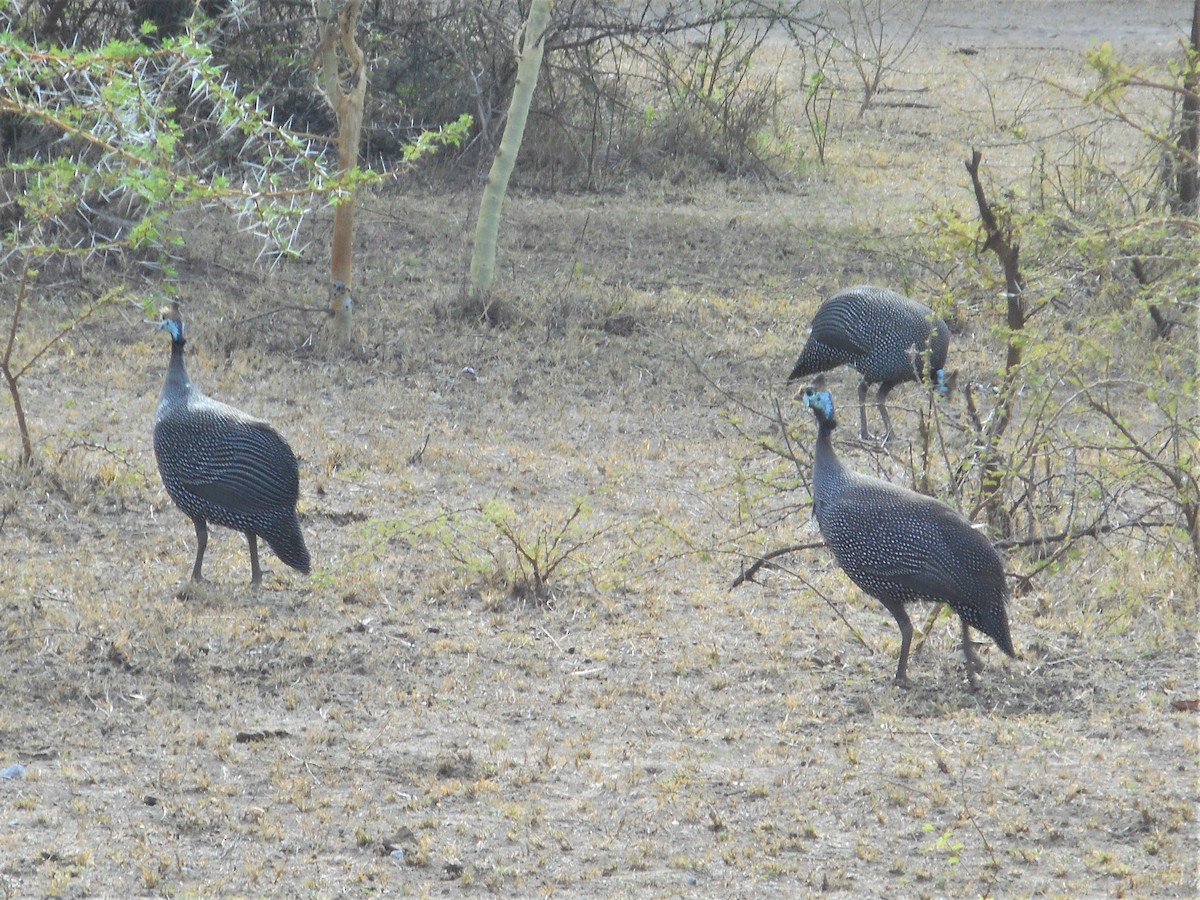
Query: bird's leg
(255, 571)
(201, 544)
(862, 410)
(880, 399)
(896, 608)
(974, 663)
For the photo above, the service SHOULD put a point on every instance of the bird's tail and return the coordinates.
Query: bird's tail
(996, 627)
(287, 540)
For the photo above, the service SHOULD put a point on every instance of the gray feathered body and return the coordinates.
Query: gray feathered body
(882, 334)
(900, 546)
(222, 466)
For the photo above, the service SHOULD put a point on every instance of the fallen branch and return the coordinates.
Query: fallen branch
(765, 560)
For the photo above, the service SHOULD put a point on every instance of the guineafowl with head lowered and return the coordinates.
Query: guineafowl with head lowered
(222, 466)
(900, 546)
(886, 336)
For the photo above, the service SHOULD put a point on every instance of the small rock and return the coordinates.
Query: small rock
(16, 770)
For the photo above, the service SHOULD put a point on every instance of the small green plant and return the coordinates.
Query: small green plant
(540, 554)
(818, 103)
(947, 843)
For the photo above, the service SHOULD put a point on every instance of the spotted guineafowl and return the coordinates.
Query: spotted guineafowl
(882, 334)
(222, 466)
(900, 546)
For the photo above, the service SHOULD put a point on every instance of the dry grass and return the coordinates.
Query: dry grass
(413, 720)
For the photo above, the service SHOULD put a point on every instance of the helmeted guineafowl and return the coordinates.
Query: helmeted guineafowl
(884, 335)
(900, 546)
(222, 466)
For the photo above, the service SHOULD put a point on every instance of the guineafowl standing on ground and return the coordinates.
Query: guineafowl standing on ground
(900, 546)
(222, 466)
(884, 335)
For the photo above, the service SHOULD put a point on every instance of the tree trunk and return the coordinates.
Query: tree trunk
(1003, 242)
(348, 106)
(487, 229)
(1189, 137)
(1001, 239)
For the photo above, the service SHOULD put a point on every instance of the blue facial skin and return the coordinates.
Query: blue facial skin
(819, 400)
(174, 327)
(941, 386)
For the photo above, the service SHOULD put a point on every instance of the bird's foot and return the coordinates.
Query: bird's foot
(901, 681)
(971, 657)
(190, 589)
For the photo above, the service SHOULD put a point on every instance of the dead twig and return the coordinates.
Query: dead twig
(765, 560)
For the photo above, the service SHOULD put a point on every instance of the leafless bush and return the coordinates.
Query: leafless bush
(625, 87)
(877, 35)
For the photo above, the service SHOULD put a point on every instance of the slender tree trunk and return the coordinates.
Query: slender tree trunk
(10, 378)
(348, 106)
(487, 229)
(19, 412)
(1189, 138)
(1002, 240)
(1003, 243)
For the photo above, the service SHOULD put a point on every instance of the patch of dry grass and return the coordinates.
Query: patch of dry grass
(408, 720)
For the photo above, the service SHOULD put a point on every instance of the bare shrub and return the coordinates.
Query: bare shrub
(877, 36)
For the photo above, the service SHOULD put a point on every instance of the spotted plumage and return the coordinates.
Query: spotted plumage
(900, 546)
(884, 335)
(222, 466)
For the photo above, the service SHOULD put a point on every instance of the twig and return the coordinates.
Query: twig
(553, 639)
(275, 310)
(765, 560)
(808, 584)
(415, 456)
(1096, 529)
(983, 837)
(732, 398)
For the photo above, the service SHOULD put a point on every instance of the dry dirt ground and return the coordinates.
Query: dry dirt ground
(405, 722)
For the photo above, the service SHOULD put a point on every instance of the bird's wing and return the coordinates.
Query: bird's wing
(257, 472)
(870, 517)
(935, 582)
(839, 324)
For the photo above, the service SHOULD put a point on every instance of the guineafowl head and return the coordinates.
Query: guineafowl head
(821, 403)
(172, 323)
(945, 381)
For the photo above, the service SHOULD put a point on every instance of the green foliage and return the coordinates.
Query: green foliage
(1099, 440)
(706, 68)
(1161, 105)
(818, 104)
(451, 134)
(534, 551)
(116, 139)
(117, 142)
(947, 844)
(541, 552)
